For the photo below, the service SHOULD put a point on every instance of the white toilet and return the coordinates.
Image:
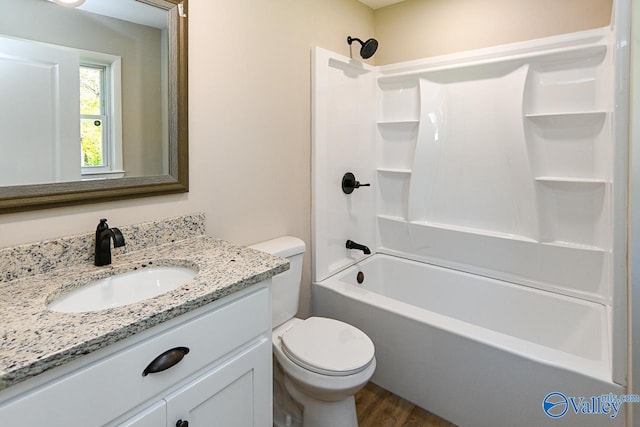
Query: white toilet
(322, 362)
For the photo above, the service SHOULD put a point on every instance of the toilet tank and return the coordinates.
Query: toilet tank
(285, 288)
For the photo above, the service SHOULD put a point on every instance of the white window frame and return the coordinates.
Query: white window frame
(103, 117)
(112, 108)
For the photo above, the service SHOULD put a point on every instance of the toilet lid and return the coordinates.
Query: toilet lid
(328, 346)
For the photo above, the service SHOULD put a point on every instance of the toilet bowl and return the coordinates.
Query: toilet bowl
(321, 362)
(325, 381)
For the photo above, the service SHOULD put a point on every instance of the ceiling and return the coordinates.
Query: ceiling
(376, 4)
(128, 10)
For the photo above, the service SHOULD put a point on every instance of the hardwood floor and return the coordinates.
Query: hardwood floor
(377, 407)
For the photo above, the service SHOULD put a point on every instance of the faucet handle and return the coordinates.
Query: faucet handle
(350, 183)
(103, 225)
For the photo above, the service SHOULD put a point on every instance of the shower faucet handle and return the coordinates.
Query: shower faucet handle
(349, 183)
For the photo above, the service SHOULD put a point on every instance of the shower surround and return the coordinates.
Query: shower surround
(507, 163)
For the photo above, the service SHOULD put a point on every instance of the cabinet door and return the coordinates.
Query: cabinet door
(237, 393)
(153, 416)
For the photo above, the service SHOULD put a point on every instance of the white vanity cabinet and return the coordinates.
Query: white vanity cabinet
(153, 416)
(223, 380)
(227, 395)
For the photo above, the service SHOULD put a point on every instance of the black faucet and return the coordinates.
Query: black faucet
(104, 234)
(353, 245)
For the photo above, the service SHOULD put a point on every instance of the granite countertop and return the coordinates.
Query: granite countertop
(35, 339)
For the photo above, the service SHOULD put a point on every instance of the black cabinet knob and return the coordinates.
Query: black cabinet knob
(181, 423)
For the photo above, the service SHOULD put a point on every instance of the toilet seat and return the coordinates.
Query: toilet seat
(328, 347)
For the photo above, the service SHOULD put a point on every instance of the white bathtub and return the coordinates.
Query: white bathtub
(474, 350)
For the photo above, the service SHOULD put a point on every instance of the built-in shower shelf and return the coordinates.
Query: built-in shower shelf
(399, 123)
(568, 119)
(572, 245)
(394, 171)
(570, 180)
(477, 231)
(549, 58)
(393, 218)
(399, 78)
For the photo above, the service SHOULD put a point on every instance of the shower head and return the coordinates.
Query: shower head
(368, 48)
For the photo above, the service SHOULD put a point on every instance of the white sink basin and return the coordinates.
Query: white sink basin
(122, 289)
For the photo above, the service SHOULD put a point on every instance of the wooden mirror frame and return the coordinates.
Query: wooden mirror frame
(21, 198)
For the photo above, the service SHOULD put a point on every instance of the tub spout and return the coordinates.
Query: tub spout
(353, 245)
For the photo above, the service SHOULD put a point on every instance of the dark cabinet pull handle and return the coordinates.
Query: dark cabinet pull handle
(349, 183)
(165, 360)
(181, 423)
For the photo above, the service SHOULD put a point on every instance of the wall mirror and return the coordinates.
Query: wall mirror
(94, 101)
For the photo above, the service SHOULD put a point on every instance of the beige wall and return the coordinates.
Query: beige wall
(249, 100)
(250, 113)
(417, 29)
(250, 144)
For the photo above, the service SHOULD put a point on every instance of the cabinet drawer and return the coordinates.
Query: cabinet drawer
(110, 387)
